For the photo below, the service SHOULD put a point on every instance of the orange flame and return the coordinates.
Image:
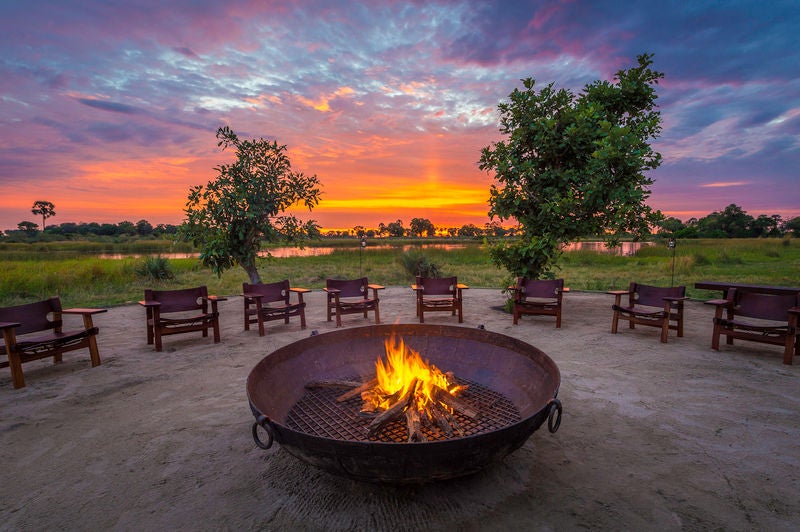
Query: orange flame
(404, 368)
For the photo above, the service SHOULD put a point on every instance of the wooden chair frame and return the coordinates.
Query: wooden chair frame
(191, 303)
(758, 317)
(538, 297)
(653, 306)
(272, 301)
(351, 296)
(442, 294)
(21, 343)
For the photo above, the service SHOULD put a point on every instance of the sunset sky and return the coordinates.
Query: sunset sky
(109, 108)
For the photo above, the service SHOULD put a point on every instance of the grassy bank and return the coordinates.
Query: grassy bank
(83, 279)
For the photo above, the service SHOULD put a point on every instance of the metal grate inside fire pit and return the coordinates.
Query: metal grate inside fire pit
(318, 413)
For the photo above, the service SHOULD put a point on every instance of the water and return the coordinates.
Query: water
(626, 249)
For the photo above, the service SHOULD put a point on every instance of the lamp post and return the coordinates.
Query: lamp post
(671, 244)
(360, 251)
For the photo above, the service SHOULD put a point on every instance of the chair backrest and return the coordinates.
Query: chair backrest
(349, 287)
(179, 300)
(438, 286)
(271, 292)
(653, 296)
(544, 288)
(764, 306)
(33, 316)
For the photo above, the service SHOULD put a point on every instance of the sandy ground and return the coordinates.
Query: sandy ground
(654, 436)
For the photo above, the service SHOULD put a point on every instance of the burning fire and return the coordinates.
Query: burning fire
(406, 374)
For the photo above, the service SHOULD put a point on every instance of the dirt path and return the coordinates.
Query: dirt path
(654, 436)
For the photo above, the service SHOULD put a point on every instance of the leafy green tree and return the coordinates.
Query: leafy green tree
(672, 225)
(573, 166)
(420, 226)
(766, 225)
(246, 204)
(395, 228)
(792, 226)
(144, 228)
(28, 227)
(45, 209)
(469, 230)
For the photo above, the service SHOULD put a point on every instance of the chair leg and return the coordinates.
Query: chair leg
(302, 318)
(260, 323)
(788, 349)
(460, 313)
(94, 352)
(215, 325)
(377, 313)
(665, 330)
(615, 322)
(558, 319)
(157, 335)
(15, 365)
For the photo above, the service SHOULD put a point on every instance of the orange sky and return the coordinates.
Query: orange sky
(110, 111)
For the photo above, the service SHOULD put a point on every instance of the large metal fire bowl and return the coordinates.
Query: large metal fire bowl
(523, 374)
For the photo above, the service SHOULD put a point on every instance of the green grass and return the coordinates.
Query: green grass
(81, 279)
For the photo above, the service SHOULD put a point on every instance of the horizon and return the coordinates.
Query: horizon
(388, 104)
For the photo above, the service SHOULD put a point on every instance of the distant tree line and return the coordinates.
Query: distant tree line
(27, 231)
(731, 222)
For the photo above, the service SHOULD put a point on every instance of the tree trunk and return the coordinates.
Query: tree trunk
(252, 273)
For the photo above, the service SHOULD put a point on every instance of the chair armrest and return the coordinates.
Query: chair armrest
(461, 286)
(673, 299)
(300, 290)
(85, 311)
(250, 295)
(719, 302)
(149, 303)
(794, 310)
(9, 324)
(565, 289)
(217, 298)
(618, 292)
(375, 288)
(416, 287)
(332, 291)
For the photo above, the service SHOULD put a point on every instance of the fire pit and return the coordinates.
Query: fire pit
(512, 385)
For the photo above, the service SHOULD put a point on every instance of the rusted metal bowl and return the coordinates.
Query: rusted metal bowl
(522, 374)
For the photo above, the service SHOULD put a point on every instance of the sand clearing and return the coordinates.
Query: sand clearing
(654, 436)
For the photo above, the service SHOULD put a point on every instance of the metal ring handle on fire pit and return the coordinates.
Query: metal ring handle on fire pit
(263, 422)
(555, 407)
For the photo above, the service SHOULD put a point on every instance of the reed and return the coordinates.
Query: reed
(80, 278)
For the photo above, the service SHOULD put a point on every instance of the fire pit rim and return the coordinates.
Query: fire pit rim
(517, 432)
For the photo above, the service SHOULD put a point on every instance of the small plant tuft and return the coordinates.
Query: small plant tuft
(155, 269)
(416, 264)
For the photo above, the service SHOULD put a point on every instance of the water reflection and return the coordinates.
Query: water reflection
(626, 248)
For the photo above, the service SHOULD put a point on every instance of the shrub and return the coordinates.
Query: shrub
(417, 264)
(155, 268)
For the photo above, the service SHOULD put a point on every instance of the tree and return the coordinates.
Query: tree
(469, 230)
(418, 226)
(246, 204)
(28, 227)
(573, 166)
(395, 228)
(144, 228)
(792, 226)
(45, 209)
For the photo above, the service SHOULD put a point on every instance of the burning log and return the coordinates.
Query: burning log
(359, 388)
(450, 400)
(386, 417)
(414, 423)
(331, 384)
